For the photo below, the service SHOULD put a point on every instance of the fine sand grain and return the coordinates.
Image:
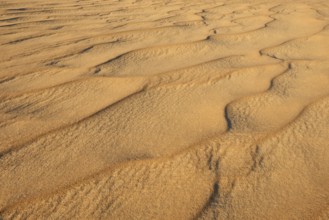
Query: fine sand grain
(164, 109)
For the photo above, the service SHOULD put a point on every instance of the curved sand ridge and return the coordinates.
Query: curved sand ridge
(164, 109)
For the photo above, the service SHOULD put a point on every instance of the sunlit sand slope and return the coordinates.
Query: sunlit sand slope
(164, 109)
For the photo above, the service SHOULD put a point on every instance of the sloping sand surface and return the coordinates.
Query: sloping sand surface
(176, 109)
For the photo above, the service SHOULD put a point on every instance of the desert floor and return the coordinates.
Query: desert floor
(164, 109)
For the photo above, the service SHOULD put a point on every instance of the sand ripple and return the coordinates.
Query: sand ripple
(164, 109)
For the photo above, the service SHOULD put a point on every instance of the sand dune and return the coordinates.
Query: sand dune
(169, 109)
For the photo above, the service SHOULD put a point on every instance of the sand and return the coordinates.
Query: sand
(153, 109)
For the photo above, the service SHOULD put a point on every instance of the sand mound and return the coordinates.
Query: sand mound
(164, 109)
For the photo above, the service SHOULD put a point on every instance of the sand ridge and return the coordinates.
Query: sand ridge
(164, 109)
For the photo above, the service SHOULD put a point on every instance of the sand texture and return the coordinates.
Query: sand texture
(164, 109)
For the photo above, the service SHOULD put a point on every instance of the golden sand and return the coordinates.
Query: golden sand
(164, 109)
